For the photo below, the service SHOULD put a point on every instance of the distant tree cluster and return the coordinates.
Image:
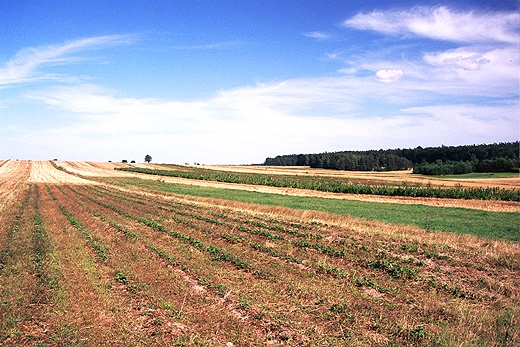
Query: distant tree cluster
(147, 159)
(355, 161)
(450, 167)
(444, 160)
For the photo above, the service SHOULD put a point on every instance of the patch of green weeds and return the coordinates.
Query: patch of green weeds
(418, 333)
(392, 268)
(121, 277)
(100, 249)
(243, 304)
(406, 247)
(507, 327)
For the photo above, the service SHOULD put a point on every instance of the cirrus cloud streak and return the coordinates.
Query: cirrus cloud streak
(442, 23)
(27, 64)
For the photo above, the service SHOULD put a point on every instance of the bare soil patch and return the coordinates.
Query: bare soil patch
(97, 169)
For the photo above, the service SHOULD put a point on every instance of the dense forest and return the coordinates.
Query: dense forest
(444, 160)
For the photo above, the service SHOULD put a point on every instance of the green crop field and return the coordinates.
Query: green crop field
(484, 175)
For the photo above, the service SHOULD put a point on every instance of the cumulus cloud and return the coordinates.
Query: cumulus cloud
(442, 23)
(389, 75)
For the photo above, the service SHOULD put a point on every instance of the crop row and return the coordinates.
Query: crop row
(130, 266)
(230, 234)
(376, 259)
(165, 270)
(335, 185)
(189, 240)
(26, 276)
(294, 238)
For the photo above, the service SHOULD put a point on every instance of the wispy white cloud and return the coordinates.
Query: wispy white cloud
(442, 23)
(293, 116)
(466, 63)
(468, 123)
(482, 67)
(348, 71)
(319, 35)
(209, 46)
(486, 63)
(27, 65)
(464, 58)
(352, 110)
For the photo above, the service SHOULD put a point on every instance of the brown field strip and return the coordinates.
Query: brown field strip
(84, 264)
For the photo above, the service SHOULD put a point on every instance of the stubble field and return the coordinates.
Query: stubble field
(87, 259)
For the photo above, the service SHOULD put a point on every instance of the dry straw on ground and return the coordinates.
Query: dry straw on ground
(84, 262)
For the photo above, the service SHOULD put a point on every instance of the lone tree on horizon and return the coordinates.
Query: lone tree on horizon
(148, 158)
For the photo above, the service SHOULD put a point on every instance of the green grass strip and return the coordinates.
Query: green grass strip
(335, 185)
(494, 225)
(483, 175)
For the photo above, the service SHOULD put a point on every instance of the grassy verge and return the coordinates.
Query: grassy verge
(483, 175)
(496, 225)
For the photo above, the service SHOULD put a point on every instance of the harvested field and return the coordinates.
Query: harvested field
(45, 172)
(91, 169)
(87, 263)
(12, 175)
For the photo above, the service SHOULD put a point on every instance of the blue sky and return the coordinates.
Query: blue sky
(234, 82)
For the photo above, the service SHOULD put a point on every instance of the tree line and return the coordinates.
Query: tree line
(444, 160)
